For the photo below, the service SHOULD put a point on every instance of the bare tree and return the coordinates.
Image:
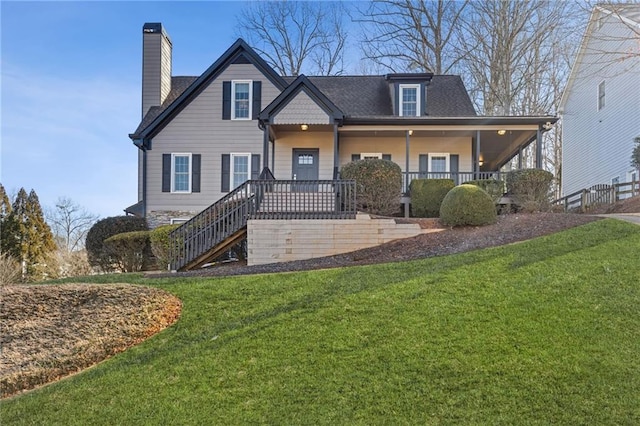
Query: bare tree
(70, 223)
(296, 37)
(412, 35)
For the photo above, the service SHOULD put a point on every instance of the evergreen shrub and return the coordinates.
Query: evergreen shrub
(494, 187)
(130, 250)
(159, 238)
(467, 205)
(427, 196)
(98, 254)
(530, 189)
(378, 185)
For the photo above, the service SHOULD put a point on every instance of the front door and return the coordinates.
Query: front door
(305, 167)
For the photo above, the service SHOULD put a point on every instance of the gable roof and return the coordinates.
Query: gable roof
(302, 83)
(629, 14)
(239, 52)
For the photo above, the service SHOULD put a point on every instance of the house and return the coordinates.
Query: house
(200, 137)
(600, 106)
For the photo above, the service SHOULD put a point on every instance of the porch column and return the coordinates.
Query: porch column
(336, 159)
(539, 148)
(520, 158)
(265, 147)
(406, 160)
(476, 165)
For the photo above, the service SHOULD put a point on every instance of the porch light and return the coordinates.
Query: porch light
(304, 127)
(410, 132)
(480, 163)
(502, 132)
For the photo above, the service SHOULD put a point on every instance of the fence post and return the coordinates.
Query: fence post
(584, 201)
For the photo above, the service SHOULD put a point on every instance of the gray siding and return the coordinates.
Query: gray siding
(597, 144)
(199, 129)
(301, 110)
(156, 70)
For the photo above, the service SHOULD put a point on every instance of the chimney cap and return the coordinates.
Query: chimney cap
(154, 27)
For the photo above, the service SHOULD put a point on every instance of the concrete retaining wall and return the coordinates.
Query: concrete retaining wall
(272, 241)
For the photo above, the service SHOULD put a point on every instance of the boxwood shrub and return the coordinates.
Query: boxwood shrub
(427, 196)
(131, 251)
(494, 187)
(159, 238)
(378, 185)
(530, 189)
(467, 205)
(98, 255)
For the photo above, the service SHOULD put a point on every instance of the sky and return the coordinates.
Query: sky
(71, 91)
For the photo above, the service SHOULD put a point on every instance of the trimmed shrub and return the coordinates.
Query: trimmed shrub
(97, 254)
(467, 205)
(427, 196)
(378, 185)
(494, 187)
(159, 238)
(130, 250)
(530, 189)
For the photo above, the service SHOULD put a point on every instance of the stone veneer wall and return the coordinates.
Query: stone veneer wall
(163, 217)
(272, 241)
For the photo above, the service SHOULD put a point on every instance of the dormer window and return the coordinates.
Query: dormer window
(241, 100)
(409, 100)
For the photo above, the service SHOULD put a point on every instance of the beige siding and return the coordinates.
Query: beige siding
(165, 71)
(199, 129)
(301, 110)
(287, 141)
(156, 70)
(396, 146)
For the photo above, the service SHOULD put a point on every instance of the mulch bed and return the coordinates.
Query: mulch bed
(51, 331)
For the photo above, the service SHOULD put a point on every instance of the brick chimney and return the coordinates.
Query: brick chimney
(156, 65)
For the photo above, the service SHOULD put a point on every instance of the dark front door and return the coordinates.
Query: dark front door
(305, 167)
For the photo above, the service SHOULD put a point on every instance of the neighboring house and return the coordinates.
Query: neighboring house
(200, 137)
(600, 107)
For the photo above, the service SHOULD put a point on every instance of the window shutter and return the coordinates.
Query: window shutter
(355, 157)
(255, 166)
(423, 168)
(195, 172)
(257, 99)
(166, 172)
(226, 172)
(453, 167)
(386, 157)
(226, 100)
(396, 97)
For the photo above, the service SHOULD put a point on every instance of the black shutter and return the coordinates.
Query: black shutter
(166, 172)
(195, 172)
(255, 166)
(386, 157)
(355, 157)
(226, 100)
(257, 99)
(453, 167)
(423, 165)
(396, 97)
(226, 172)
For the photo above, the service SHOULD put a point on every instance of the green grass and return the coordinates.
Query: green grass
(542, 332)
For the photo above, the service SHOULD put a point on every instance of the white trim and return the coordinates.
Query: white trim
(178, 220)
(232, 183)
(602, 84)
(400, 98)
(233, 98)
(365, 155)
(173, 172)
(446, 155)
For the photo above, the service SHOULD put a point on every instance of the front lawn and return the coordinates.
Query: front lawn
(541, 332)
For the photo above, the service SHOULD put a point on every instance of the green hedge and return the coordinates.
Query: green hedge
(427, 196)
(494, 187)
(467, 205)
(97, 254)
(378, 185)
(159, 238)
(530, 189)
(131, 251)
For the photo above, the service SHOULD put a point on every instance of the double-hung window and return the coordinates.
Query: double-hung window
(439, 165)
(240, 169)
(409, 102)
(241, 100)
(180, 172)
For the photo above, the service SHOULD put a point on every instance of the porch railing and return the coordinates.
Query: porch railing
(457, 177)
(259, 199)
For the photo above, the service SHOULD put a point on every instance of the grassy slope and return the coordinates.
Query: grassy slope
(541, 332)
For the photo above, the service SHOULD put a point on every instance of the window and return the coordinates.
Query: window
(409, 100)
(439, 166)
(370, 155)
(179, 220)
(239, 169)
(601, 96)
(180, 172)
(241, 100)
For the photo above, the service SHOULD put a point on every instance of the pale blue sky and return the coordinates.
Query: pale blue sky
(70, 86)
